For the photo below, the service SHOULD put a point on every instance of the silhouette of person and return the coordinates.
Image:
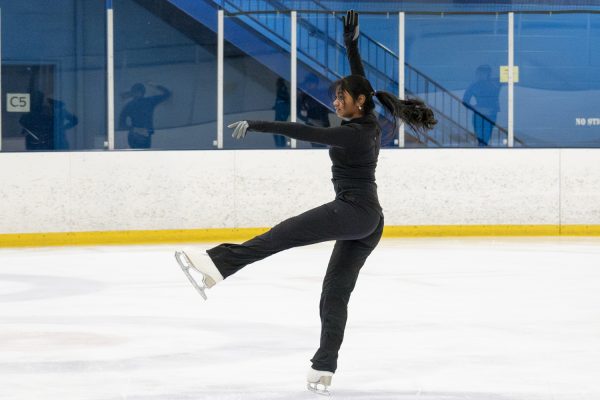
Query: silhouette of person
(388, 131)
(486, 92)
(354, 219)
(38, 124)
(312, 112)
(282, 109)
(63, 121)
(137, 117)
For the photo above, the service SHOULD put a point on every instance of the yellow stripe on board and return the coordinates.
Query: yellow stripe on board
(242, 234)
(127, 237)
(580, 230)
(470, 230)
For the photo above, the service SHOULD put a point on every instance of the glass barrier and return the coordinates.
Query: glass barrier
(53, 75)
(256, 77)
(165, 77)
(322, 60)
(453, 63)
(557, 96)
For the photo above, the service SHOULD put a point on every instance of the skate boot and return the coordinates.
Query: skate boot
(199, 268)
(319, 381)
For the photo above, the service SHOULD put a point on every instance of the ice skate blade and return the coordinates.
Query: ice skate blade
(314, 387)
(185, 264)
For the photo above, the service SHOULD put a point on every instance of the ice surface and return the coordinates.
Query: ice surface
(478, 319)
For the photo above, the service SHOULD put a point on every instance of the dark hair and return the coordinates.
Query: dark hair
(484, 69)
(413, 112)
(138, 88)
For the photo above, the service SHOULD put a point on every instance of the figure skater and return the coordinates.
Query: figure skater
(354, 219)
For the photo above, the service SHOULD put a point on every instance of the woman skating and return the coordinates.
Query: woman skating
(354, 219)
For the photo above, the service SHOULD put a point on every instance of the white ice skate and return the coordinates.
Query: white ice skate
(319, 381)
(194, 262)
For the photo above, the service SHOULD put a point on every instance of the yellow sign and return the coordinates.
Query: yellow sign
(504, 74)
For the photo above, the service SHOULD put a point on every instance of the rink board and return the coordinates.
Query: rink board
(172, 196)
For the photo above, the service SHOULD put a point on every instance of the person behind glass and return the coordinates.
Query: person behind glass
(63, 121)
(38, 124)
(312, 111)
(388, 131)
(354, 219)
(137, 117)
(486, 92)
(282, 109)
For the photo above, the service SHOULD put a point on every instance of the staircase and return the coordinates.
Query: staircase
(263, 23)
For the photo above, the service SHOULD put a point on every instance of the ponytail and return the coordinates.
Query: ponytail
(413, 112)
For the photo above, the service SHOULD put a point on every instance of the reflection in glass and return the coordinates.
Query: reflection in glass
(311, 108)
(53, 80)
(485, 91)
(256, 76)
(557, 96)
(165, 77)
(137, 117)
(453, 64)
(282, 109)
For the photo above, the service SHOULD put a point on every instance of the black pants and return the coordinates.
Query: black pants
(357, 231)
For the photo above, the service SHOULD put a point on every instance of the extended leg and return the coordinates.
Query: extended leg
(336, 220)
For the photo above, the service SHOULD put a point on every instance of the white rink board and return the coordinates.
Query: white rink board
(164, 190)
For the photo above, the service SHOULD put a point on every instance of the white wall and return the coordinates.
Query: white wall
(152, 190)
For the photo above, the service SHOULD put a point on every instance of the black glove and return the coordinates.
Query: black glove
(351, 30)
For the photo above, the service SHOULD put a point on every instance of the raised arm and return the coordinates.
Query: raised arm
(351, 33)
(341, 136)
(164, 93)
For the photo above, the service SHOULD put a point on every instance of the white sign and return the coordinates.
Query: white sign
(587, 121)
(504, 73)
(17, 102)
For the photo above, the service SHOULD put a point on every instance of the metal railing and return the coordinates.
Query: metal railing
(319, 48)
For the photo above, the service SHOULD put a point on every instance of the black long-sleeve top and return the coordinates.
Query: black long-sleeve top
(354, 147)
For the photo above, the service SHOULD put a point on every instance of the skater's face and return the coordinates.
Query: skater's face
(347, 107)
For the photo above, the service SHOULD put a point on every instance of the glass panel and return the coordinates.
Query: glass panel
(53, 75)
(395, 6)
(165, 76)
(557, 96)
(322, 60)
(453, 64)
(318, 53)
(256, 76)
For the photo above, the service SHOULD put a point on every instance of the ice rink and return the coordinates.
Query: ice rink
(476, 319)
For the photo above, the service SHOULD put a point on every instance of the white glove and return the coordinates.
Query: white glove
(239, 129)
